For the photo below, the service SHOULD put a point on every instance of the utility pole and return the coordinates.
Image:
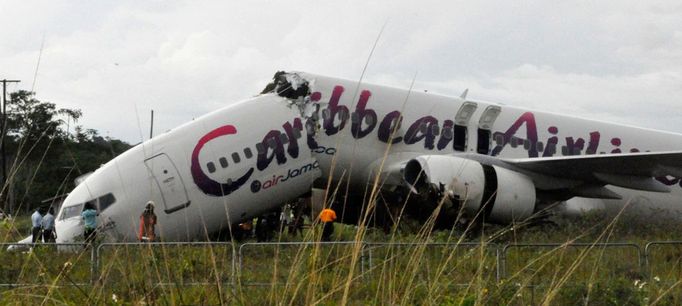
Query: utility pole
(3, 131)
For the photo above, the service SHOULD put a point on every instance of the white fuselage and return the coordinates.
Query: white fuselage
(234, 164)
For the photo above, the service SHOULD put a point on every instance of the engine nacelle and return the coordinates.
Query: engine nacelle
(499, 194)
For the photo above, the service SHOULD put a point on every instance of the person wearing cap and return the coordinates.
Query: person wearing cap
(147, 223)
(327, 217)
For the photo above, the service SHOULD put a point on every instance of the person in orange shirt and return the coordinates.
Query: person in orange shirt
(327, 217)
(147, 223)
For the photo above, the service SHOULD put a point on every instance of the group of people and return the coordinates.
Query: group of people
(42, 222)
(290, 217)
(146, 232)
(268, 223)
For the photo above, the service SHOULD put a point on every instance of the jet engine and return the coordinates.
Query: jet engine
(497, 194)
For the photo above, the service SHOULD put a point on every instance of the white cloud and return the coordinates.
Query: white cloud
(611, 59)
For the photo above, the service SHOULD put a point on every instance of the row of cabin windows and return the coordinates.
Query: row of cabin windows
(458, 132)
(515, 142)
(248, 153)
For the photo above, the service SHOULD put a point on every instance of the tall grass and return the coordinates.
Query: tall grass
(405, 268)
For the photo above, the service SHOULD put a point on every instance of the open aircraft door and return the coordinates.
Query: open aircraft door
(485, 124)
(167, 177)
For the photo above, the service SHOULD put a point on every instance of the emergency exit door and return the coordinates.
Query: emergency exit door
(167, 177)
(485, 125)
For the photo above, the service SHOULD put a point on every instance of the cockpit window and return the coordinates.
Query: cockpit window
(105, 201)
(71, 211)
(100, 203)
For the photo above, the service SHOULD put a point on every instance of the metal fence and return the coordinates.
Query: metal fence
(227, 263)
(39, 263)
(151, 262)
(539, 260)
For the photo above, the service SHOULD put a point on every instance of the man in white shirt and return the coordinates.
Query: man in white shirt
(49, 234)
(36, 220)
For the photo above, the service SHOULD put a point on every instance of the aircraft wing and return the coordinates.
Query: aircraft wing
(630, 170)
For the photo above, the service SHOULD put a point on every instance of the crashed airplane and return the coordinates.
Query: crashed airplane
(411, 151)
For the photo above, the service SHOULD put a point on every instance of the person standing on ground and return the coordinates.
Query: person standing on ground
(327, 217)
(147, 223)
(89, 216)
(262, 229)
(36, 221)
(49, 234)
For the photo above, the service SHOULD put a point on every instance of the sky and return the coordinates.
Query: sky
(618, 61)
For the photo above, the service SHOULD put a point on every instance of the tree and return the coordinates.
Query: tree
(43, 158)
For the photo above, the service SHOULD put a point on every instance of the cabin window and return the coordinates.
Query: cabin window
(248, 153)
(369, 120)
(342, 114)
(526, 144)
(422, 128)
(260, 148)
(447, 132)
(396, 123)
(564, 150)
(435, 130)
(283, 138)
(325, 114)
(272, 143)
(211, 167)
(514, 142)
(310, 127)
(297, 133)
(354, 117)
(235, 157)
(460, 137)
(223, 162)
(539, 146)
(550, 149)
(105, 201)
(576, 151)
(499, 139)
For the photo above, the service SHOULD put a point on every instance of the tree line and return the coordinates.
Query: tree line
(45, 151)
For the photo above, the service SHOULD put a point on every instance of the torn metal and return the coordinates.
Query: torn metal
(296, 90)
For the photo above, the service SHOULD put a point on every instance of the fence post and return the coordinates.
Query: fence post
(503, 261)
(233, 276)
(499, 263)
(362, 259)
(646, 266)
(94, 264)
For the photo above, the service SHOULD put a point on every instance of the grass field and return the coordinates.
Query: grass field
(452, 269)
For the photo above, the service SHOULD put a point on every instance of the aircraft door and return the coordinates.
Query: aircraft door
(485, 124)
(461, 122)
(167, 177)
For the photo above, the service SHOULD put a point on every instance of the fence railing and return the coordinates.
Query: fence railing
(228, 263)
(586, 255)
(25, 264)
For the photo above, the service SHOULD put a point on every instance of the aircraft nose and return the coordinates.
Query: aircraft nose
(68, 230)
